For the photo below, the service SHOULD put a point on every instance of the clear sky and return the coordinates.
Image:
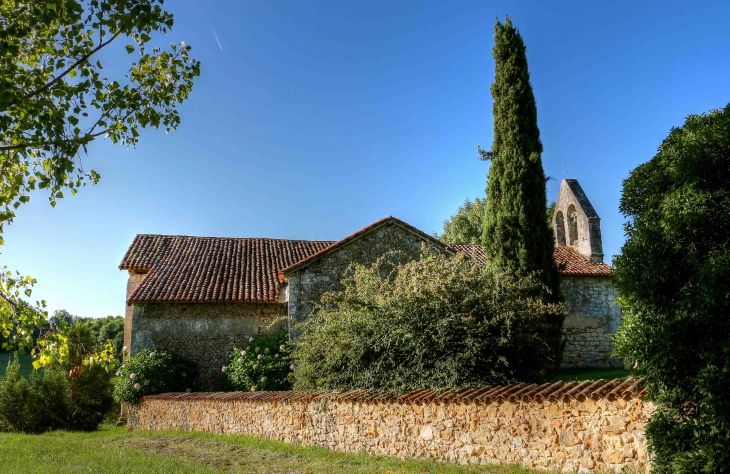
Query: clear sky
(312, 119)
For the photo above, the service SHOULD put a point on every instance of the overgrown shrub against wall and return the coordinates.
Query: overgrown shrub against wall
(441, 321)
(262, 364)
(150, 372)
(673, 277)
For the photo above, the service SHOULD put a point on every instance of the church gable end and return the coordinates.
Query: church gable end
(310, 279)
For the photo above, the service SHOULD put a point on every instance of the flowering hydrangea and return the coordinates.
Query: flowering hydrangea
(224, 368)
(145, 374)
(291, 367)
(259, 366)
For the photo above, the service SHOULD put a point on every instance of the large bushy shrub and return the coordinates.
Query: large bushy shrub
(34, 406)
(437, 322)
(75, 395)
(673, 277)
(149, 372)
(262, 364)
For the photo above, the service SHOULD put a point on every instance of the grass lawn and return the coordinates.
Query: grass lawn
(26, 364)
(569, 375)
(114, 450)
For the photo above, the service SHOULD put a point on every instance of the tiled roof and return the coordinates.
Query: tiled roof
(220, 269)
(610, 390)
(571, 262)
(474, 251)
(212, 269)
(363, 231)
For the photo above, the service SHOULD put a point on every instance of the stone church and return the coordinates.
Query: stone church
(199, 296)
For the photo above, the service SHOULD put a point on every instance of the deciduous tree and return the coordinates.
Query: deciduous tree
(673, 277)
(56, 98)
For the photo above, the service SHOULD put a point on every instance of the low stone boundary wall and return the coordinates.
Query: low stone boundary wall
(569, 427)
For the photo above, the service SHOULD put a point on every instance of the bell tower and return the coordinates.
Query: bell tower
(575, 223)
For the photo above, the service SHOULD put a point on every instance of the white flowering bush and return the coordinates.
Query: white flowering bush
(437, 322)
(263, 363)
(149, 372)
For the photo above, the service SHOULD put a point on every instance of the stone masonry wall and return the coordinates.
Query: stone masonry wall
(307, 285)
(132, 283)
(204, 333)
(567, 435)
(592, 317)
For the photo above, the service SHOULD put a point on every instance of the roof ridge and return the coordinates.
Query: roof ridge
(232, 238)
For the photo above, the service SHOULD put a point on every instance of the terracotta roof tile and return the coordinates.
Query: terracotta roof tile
(611, 389)
(211, 269)
(571, 262)
(221, 269)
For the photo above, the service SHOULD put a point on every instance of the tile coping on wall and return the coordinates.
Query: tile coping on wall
(611, 389)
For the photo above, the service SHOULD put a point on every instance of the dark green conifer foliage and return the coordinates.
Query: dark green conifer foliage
(515, 234)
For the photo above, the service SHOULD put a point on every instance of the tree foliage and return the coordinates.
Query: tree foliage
(56, 98)
(514, 233)
(673, 277)
(466, 225)
(437, 322)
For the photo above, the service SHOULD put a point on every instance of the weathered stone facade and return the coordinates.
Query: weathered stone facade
(132, 282)
(592, 317)
(568, 435)
(309, 283)
(204, 333)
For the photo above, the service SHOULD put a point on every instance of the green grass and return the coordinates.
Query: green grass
(580, 375)
(115, 450)
(26, 364)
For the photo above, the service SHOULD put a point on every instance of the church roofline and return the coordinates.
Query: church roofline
(340, 243)
(581, 197)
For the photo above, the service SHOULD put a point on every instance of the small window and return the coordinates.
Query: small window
(572, 225)
(559, 228)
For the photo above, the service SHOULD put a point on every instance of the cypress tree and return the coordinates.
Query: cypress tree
(515, 235)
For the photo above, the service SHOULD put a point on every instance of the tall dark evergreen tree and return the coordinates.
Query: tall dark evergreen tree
(515, 234)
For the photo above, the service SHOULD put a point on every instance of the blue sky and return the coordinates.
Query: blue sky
(313, 119)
